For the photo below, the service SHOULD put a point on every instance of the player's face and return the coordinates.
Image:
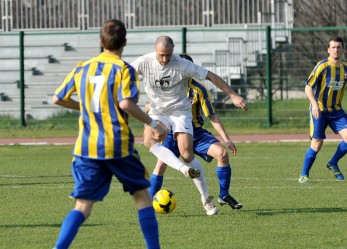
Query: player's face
(163, 54)
(335, 50)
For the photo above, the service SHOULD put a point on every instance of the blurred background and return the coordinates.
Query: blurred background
(264, 49)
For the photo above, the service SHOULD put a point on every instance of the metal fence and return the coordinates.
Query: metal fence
(48, 57)
(90, 14)
(228, 37)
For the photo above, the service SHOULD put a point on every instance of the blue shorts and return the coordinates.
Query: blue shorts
(336, 120)
(202, 141)
(93, 177)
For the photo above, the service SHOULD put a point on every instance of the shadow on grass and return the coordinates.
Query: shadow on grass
(51, 176)
(16, 184)
(269, 212)
(42, 225)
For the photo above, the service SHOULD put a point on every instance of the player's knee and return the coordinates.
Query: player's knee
(85, 211)
(142, 199)
(87, 214)
(187, 157)
(147, 144)
(221, 155)
(316, 144)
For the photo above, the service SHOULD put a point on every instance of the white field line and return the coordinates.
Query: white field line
(180, 178)
(313, 185)
(236, 141)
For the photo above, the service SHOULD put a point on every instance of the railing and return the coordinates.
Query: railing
(48, 57)
(17, 15)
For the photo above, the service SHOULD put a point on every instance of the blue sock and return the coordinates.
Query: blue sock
(224, 177)
(69, 229)
(149, 227)
(156, 183)
(340, 152)
(310, 157)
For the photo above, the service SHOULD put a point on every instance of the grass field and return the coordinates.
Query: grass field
(278, 211)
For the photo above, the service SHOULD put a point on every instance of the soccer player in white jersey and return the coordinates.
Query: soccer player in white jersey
(165, 77)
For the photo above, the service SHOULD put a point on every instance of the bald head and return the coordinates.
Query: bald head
(164, 47)
(164, 41)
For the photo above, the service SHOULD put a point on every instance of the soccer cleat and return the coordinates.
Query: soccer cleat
(229, 200)
(209, 206)
(303, 179)
(192, 173)
(337, 173)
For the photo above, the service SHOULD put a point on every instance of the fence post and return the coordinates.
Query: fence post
(184, 40)
(268, 76)
(21, 78)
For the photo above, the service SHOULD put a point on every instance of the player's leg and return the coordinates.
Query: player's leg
(185, 145)
(223, 169)
(87, 190)
(147, 219)
(317, 133)
(164, 154)
(338, 126)
(208, 147)
(224, 174)
(72, 222)
(130, 172)
(157, 178)
(310, 157)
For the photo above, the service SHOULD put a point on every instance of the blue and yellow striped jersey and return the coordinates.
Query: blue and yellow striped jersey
(201, 102)
(328, 82)
(101, 83)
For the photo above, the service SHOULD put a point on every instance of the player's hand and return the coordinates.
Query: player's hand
(231, 146)
(238, 101)
(315, 112)
(159, 133)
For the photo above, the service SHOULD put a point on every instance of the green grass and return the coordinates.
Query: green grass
(278, 211)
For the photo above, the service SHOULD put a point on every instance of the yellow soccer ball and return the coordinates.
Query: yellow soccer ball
(164, 201)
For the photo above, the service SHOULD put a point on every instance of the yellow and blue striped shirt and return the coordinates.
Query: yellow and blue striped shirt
(328, 82)
(101, 83)
(201, 102)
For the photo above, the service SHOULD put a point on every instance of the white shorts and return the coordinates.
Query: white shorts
(175, 124)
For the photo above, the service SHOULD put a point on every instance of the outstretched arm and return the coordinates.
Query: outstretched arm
(222, 85)
(218, 126)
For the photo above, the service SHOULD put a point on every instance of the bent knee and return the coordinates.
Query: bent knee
(221, 154)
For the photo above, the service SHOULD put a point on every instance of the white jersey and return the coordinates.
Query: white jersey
(166, 86)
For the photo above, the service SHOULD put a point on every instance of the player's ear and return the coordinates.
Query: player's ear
(102, 45)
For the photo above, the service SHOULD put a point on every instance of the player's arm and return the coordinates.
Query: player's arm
(218, 126)
(222, 85)
(69, 103)
(314, 104)
(62, 95)
(129, 106)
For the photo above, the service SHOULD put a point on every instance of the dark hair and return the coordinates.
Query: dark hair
(336, 39)
(113, 34)
(186, 56)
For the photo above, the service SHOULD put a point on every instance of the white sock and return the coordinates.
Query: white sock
(168, 157)
(200, 182)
